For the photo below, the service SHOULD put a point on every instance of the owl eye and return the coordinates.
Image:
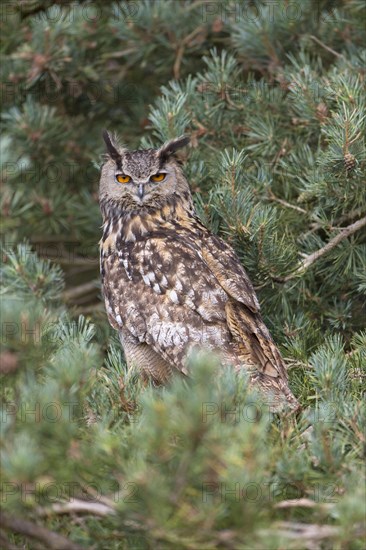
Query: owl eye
(158, 177)
(122, 178)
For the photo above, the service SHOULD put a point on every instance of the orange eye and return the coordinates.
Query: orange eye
(158, 177)
(122, 178)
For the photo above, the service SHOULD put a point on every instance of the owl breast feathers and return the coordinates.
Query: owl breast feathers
(169, 284)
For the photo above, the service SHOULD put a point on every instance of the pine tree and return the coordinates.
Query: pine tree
(272, 95)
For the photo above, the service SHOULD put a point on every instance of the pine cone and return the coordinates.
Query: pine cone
(349, 161)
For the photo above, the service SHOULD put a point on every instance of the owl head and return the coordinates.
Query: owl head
(144, 178)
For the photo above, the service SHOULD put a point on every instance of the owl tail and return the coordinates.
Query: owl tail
(275, 392)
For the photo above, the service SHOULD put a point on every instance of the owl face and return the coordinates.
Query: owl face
(135, 179)
(139, 178)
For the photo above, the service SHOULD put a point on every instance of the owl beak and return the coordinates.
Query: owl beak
(141, 191)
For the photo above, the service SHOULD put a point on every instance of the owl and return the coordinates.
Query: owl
(170, 285)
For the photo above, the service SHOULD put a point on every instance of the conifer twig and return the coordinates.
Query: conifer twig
(306, 531)
(273, 197)
(80, 290)
(28, 529)
(77, 506)
(346, 217)
(312, 258)
(343, 234)
(303, 503)
(180, 51)
(95, 307)
(328, 48)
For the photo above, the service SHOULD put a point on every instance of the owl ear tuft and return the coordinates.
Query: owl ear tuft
(112, 151)
(170, 147)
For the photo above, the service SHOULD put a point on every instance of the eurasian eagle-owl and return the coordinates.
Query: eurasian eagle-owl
(169, 284)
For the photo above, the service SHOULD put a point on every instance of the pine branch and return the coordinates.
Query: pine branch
(337, 54)
(346, 217)
(80, 290)
(180, 51)
(303, 503)
(343, 234)
(78, 507)
(91, 309)
(33, 531)
(306, 532)
(312, 258)
(310, 533)
(273, 197)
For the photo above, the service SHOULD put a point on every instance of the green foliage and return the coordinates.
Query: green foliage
(24, 275)
(272, 95)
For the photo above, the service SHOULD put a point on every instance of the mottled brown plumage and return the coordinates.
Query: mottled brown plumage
(169, 284)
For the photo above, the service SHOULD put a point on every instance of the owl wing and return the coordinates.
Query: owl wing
(225, 265)
(243, 317)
